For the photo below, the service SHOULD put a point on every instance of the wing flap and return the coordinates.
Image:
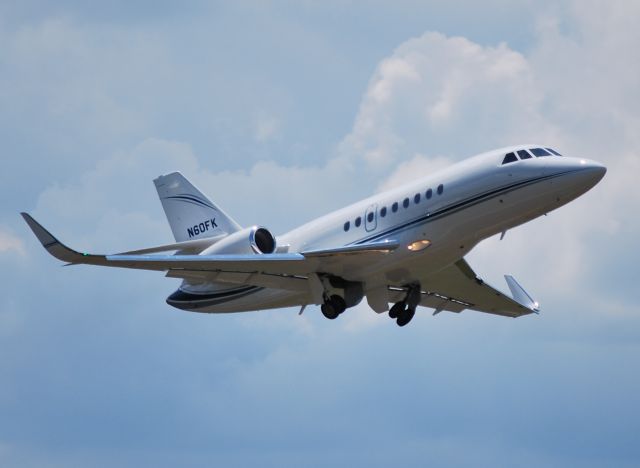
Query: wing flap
(285, 282)
(432, 300)
(239, 264)
(372, 247)
(185, 247)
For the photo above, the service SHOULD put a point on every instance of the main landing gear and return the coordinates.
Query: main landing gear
(333, 306)
(404, 310)
(337, 294)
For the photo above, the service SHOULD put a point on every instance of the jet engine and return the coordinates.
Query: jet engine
(256, 239)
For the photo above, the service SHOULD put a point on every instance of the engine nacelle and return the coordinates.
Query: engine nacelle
(254, 239)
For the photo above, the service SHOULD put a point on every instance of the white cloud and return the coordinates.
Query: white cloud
(394, 72)
(97, 83)
(443, 96)
(114, 202)
(413, 169)
(267, 127)
(10, 243)
(114, 206)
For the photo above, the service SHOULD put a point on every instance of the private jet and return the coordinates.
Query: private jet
(404, 247)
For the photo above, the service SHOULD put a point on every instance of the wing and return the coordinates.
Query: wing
(457, 287)
(454, 289)
(281, 270)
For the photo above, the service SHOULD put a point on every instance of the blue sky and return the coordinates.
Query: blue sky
(280, 112)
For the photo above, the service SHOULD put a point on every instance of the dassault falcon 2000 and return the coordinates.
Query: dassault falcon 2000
(404, 247)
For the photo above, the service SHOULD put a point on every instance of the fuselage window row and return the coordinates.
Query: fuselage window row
(394, 207)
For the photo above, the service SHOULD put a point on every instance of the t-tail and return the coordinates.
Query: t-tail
(190, 213)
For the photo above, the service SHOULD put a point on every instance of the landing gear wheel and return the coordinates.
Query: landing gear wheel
(333, 307)
(405, 317)
(329, 311)
(338, 303)
(396, 310)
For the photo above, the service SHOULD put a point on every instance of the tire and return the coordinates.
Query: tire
(338, 304)
(405, 317)
(329, 311)
(396, 310)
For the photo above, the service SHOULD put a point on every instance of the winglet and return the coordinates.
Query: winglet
(520, 295)
(55, 247)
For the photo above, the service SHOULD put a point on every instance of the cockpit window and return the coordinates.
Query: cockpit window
(524, 154)
(540, 152)
(509, 158)
(553, 151)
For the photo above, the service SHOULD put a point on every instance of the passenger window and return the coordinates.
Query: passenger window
(405, 203)
(509, 158)
(429, 194)
(346, 226)
(553, 151)
(370, 217)
(440, 189)
(416, 198)
(358, 221)
(394, 207)
(524, 154)
(383, 211)
(539, 152)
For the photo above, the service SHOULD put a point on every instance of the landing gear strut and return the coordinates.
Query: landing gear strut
(403, 311)
(333, 306)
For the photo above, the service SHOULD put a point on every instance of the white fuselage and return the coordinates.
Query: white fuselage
(452, 209)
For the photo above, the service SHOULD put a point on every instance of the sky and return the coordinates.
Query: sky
(281, 112)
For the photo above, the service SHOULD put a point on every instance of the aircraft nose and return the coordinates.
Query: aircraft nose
(583, 174)
(594, 170)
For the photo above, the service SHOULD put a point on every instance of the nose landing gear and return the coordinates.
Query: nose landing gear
(403, 311)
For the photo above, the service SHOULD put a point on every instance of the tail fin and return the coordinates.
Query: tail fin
(191, 215)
